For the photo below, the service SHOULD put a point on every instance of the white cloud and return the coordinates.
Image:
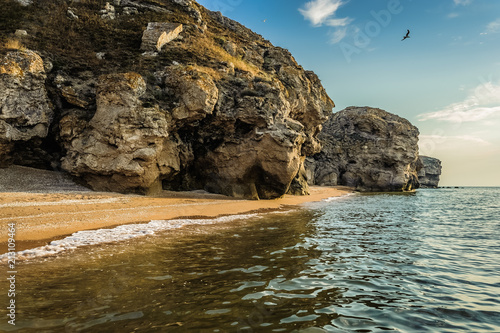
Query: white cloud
(339, 22)
(322, 12)
(337, 35)
(319, 11)
(462, 2)
(440, 139)
(492, 27)
(481, 103)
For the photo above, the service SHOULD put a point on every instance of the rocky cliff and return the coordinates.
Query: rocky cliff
(136, 96)
(430, 170)
(366, 148)
(25, 110)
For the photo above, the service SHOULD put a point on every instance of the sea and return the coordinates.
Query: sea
(427, 261)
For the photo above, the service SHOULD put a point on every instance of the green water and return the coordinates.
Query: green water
(426, 262)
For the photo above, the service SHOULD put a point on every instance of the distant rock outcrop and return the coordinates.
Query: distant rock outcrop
(366, 148)
(430, 170)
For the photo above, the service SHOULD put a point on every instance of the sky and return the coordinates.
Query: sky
(445, 78)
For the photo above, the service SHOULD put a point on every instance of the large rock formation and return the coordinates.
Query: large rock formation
(25, 111)
(123, 146)
(369, 149)
(430, 170)
(219, 108)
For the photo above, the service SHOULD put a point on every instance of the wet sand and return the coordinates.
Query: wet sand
(44, 216)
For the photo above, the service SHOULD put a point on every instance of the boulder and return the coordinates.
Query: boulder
(21, 33)
(430, 170)
(369, 149)
(108, 13)
(157, 34)
(260, 166)
(76, 91)
(195, 91)
(24, 2)
(25, 110)
(122, 147)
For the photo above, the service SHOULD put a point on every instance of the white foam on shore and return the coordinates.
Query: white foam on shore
(338, 198)
(117, 234)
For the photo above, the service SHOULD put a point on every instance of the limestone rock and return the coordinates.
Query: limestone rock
(21, 33)
(100, 55)
(108, 12)
(143, 6)
(157, 34)
(70, 13)
(25, 110)
(224, 111)
(369, 149)
(196, 91)
(184, 3)
(24, 2)
(122, 145)
(130, 11)
(257, 167)
(189, 7)
(255, 144)
(76, 91)
(428, 176)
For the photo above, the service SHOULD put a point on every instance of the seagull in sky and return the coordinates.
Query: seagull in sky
(407, 35)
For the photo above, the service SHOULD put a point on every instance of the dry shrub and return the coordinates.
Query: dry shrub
(207, 70)
(216, 51)
(13, 44)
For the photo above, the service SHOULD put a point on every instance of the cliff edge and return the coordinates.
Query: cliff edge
(140, 96)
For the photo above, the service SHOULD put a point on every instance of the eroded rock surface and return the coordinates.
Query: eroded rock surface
(218, 108)
(369, 149)
(430, 171)
(121, 148)
(157, 34)
(25, 110)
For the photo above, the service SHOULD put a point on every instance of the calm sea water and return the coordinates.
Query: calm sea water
(423, 262)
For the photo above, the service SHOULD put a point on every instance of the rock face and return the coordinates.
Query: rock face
(25, 110)
(367, 148)
(122, 147)
(219, 108)
(428, 176)
(255, 145)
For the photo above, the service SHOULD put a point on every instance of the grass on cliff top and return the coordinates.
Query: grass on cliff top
(72, 44)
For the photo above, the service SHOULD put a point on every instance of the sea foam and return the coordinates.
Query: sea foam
(338, 197)
(117, 234)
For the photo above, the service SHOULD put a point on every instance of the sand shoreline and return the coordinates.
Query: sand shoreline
(43, 217)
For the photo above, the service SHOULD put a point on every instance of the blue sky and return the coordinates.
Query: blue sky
(445, 78)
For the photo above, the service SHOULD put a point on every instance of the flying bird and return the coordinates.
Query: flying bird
(407, 35)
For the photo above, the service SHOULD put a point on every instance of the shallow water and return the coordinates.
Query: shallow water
(424, 262)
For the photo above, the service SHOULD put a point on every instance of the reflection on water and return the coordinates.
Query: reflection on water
(426, 262)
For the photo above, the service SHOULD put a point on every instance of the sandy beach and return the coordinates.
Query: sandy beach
(60, 208)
